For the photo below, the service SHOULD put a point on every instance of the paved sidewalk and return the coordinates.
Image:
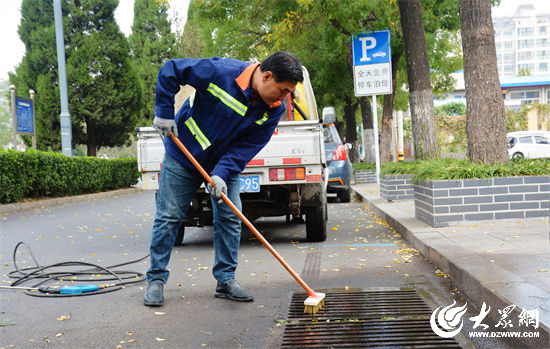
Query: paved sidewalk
(498, 262)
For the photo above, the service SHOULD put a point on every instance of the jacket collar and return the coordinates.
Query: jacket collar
(245, 78)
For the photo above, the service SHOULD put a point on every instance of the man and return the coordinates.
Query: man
(229, 118)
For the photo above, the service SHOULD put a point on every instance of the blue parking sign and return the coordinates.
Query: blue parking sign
(371, 47)
(372, 74)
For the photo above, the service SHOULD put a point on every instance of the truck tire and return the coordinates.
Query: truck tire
(344, 195)
(180, 236)
(316, 224)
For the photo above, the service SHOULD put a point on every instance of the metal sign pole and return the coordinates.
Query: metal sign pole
(31, 93)
(13, 117)
(375, 130)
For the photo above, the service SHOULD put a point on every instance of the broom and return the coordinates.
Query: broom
(316, 300)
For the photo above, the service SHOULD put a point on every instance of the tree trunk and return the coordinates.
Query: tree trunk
(351, 129)
(485, 117)
(387, 111)
(368, 132)
(91, 143)
(418, 73)
(366, 112)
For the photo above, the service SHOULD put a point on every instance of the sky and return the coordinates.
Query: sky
(14, 49)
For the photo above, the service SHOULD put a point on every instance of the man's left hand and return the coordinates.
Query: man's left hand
(219, 188)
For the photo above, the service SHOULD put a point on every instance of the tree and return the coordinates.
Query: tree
(319, 32)
(485, 117)
(5, 115)
(38, 70)
(524, 72)
(104, 90)
(151, 44)
(420, 89)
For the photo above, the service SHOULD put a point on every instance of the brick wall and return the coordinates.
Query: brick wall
(365, 176)
(440, 203)
(398, 187)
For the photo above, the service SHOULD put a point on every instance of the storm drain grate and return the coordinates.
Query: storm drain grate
(361, 319)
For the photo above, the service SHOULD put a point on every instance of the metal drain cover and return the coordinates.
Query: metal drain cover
(397, 318)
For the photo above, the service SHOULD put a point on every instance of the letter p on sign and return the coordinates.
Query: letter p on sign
(367, 43)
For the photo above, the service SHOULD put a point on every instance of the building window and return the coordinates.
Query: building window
(508, 44)
(543, 29)
(526, 43)
(543, 66)
(508, 32)
(528, 66)
(498, 44)
(508, 68)
(543, 54)
(509, 57)
(526, 31)
(526, 97)
(525, 56)
(543, 43)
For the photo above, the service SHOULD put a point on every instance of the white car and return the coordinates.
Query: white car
(528, 144)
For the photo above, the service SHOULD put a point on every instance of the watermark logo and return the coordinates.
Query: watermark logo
(448, 319)
(447, 322)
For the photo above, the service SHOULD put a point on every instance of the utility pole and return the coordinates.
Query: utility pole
(65, 117)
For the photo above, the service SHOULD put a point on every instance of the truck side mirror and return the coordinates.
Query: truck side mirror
(329, 115)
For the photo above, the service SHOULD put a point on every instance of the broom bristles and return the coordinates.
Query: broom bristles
(313, 304)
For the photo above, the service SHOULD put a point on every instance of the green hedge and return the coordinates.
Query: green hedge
(449, 169)
(33, 174)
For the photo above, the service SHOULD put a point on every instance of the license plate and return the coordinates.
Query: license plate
(250, 184)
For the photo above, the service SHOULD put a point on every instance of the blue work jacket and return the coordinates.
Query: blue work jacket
(218, 123)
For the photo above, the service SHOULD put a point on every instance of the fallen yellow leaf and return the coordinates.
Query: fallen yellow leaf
(63, 318)
(160, 339)
(159, 313)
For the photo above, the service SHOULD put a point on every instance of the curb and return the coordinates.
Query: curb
(36, 204)
(488, 284)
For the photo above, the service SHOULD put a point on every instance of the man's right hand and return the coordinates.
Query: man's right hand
(165, 126)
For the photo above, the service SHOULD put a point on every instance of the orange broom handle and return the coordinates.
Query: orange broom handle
(206, 176)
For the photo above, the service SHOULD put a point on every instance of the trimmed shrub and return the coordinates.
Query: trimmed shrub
(450, 169)
(33, 174)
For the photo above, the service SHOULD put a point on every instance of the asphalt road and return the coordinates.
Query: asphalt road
(361, 252)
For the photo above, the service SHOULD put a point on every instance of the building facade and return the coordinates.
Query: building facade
(523, 42)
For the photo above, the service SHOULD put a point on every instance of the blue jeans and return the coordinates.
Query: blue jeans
(177, 186)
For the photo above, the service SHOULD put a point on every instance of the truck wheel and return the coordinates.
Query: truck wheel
(181, 234)
(345, 195)
(316, 224)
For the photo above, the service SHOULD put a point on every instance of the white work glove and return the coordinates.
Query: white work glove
(165, 126)
(220, 187)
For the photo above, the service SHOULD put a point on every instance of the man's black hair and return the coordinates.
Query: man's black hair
(284, 66)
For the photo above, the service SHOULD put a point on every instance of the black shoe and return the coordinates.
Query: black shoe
(232, 290)
(154, 296)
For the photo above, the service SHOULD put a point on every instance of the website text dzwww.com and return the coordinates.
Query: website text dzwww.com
(502, 334)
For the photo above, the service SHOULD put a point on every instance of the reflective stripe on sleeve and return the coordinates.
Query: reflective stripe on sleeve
(227, 99)
(196, 131)
(262, 120)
